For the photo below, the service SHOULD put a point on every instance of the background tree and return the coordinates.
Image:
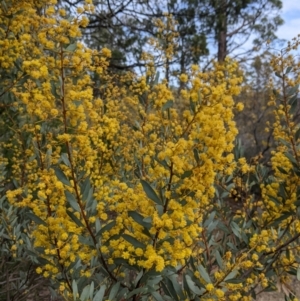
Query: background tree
(232, 23)
(253, 120)
(124, 27)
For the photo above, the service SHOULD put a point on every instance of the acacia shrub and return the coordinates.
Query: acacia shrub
(123, 196)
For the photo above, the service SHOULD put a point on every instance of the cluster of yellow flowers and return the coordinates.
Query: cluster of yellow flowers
(280, 195)
(166, 34)
(278, 206)
(60, 124)
(177, 154)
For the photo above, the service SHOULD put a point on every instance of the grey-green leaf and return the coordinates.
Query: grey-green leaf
(219, 259)
(62, 177)
(85, 293)
(204, 274)
(107, 227)
(133, 241)
(72, 47)
(298, 274)
(72, 200)
(75, 289)
(100, 294)
(114, 290)
(151, 194)
(76, 220)
(65, 159)
(167, 105)
(231, 275)
(91, 290)
(36, 219)
(138, 218)
(193, 287)
(157, 296)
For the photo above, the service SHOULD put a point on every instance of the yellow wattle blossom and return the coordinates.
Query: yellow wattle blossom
(183, 78)
(209, 287)
(239, 106)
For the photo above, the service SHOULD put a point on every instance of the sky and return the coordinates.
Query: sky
(290, 13)
(291, 16)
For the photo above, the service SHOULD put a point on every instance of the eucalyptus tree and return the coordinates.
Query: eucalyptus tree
(231, 24)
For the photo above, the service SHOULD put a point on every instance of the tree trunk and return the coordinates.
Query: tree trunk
(222, 32)
(222, 46)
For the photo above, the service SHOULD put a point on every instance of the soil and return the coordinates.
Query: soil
(279, 295)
